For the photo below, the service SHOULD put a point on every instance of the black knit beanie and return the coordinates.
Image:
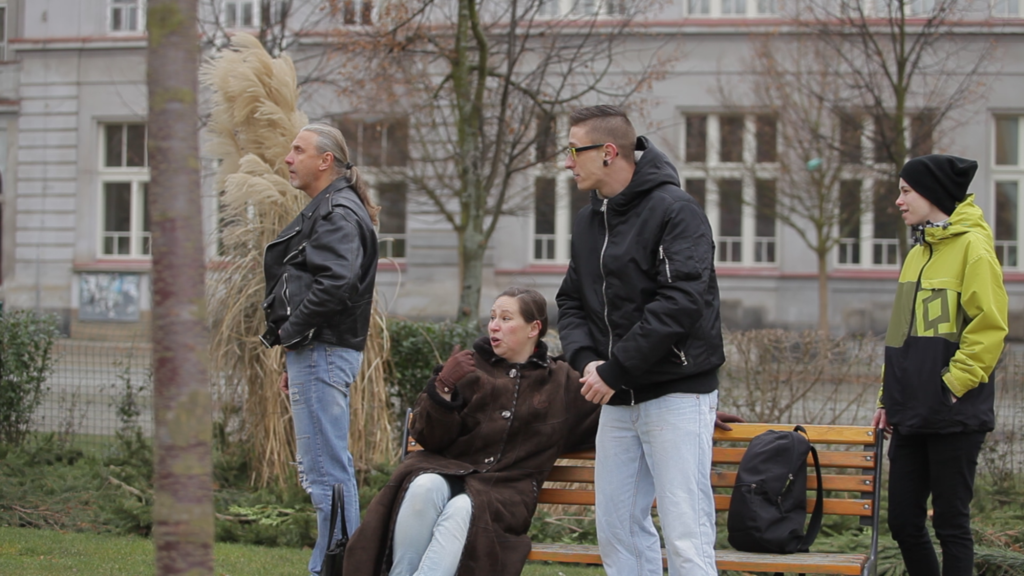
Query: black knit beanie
(941, 178)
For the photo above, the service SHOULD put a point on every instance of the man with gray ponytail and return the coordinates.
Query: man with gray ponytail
(320, 274)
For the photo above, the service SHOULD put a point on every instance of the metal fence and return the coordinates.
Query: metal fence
(97, 385)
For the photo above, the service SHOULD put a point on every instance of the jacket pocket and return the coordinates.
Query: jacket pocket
(914, 392)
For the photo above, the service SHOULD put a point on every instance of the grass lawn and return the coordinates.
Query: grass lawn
(31, 552)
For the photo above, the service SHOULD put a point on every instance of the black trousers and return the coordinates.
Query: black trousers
(942, 466)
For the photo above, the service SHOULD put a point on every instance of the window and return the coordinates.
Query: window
(556, 201)
(730, 220)
(393, 199)
(376, 142)
(732, 8)
(698, 189)
(921, 7)
(1008, 174)
(764, 233)
(731, 141)
(887, 8)
(851, 131)
(582, 8)
(357, 11)
(696, 139)
(767, 138)
(3, 32)
(698, 7)
(922, 126)
(124, 179)
(730, 171)
(547, 137)
(850, 213)
(885, 247)
(1007, 8)
(1007, 214)
(127, 16)
(239, 14)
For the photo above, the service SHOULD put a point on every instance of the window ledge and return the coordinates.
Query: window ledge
(535, 269)
(391, 265)
(128, 265)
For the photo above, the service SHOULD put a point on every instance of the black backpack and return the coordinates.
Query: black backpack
(769, 501)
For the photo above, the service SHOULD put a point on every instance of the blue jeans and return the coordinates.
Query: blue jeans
(431, 529)
(319, 378)
(656, 449)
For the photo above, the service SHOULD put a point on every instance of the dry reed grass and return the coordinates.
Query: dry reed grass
(252, 123)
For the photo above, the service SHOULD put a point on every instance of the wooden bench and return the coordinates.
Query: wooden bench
(851, 480)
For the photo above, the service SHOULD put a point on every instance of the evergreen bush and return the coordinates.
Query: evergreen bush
(26, 360)
(416, 348)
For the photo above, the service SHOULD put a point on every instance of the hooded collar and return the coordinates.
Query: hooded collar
(483, 347)
(652, 170)
(967, 217)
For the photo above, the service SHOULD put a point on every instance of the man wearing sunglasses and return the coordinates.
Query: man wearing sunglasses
(638, 316)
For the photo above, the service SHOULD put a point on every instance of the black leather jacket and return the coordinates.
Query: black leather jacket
(320, 273)
(641, 292)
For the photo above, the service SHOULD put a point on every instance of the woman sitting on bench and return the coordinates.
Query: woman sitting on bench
(492, 422)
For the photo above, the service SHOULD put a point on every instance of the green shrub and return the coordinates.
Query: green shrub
(416, 348)
(26, 360)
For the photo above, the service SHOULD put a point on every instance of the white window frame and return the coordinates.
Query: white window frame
(558, 245)
(138, 178)
(355, 145)
(3, 32)
(561, 240)
(583, 8)
(911, 8)
(1009, 173)
(386, 241)
(1006, 9)
(125, 6)
(238, 25)
(357, 10)
(727, 8)
(748, 171)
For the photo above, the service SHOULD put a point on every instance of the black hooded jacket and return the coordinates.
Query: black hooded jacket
(320, 273)
(641, 291)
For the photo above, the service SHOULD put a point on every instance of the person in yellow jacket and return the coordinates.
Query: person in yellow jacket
(944, 339)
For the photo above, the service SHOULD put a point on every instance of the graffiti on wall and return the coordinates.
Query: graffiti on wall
(109, 296)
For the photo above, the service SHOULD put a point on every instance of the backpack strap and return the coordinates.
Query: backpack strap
(815, 525)
(338, 508)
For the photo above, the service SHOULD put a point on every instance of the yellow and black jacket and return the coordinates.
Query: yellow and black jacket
(947, 329)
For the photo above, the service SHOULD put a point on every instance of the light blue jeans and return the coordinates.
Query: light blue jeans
(431, 529)
(319, 378)
(656, 449)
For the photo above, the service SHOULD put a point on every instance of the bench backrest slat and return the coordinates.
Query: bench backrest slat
(850, 494)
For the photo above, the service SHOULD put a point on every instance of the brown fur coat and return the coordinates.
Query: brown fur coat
(501, 434)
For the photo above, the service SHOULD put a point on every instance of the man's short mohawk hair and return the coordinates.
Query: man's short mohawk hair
(608, 124)
(581, 115)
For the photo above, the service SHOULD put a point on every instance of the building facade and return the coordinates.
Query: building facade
(74, 235)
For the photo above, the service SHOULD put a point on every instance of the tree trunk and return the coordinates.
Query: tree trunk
(183, 526)
(823, 293)
(471, 264)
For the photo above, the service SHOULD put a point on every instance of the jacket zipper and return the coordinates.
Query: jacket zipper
(294, 252)
(917, 287)
(668, 275)
(682, 355)
(604, 277)
(293, 233)
(284, 293)
(604, 292)
(661, 252)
